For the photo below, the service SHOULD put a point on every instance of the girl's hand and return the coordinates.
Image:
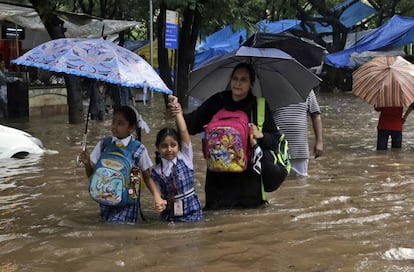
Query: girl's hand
(159, 204)
(84, 157)
(173, 105)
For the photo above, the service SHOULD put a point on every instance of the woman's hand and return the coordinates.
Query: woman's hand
(255, 131)
(173, 105)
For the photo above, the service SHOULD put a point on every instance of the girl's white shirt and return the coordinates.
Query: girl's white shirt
(144, 162)
(185, 154)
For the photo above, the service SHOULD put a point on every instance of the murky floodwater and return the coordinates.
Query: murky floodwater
(353, 213)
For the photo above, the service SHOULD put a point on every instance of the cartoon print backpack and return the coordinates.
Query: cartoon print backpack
(226, 141)
(112, 183)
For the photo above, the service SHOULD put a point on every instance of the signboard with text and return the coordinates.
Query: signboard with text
(171, 29)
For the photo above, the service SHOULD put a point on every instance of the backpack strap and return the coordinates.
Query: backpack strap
(132, 147)
(260, 121)
(260, 112)
(107, 141)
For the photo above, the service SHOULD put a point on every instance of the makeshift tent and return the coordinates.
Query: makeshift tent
(226, 40)
(277, 26)
(77, 25)
(355, 12)
(396, 32)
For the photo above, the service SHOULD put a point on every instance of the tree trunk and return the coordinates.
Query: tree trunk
(163, 65)
(187, 40)
(54, 27)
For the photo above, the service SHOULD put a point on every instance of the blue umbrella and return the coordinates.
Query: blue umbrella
(94, 58)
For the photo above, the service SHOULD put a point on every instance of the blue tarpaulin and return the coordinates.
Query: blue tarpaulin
(278, 26)
(226, 40)
(396, 32)
(353, 14)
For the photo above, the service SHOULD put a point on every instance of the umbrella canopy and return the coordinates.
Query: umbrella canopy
(307, 52)
(385, 82)
(279, 77)
(94, 58)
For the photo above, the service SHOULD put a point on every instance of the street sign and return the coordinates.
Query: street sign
(171, 29)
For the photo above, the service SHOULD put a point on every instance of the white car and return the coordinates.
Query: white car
(15, 143)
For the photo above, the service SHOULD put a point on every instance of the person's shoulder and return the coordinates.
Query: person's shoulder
(221, 95)
(216, 100)
(136, 143)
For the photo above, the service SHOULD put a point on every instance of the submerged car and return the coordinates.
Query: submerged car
(15, 143)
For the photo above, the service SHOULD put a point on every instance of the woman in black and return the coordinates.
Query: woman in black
(226, 190)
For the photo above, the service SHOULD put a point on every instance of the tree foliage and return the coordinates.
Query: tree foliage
(199, 18)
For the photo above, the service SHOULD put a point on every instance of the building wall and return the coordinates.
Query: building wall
(46, 101)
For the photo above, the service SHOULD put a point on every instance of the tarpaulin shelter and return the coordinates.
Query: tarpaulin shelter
(354, 13)
(226, 40)
(77, 25)
(395, 33)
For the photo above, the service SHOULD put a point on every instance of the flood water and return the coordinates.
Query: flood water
(355, 211)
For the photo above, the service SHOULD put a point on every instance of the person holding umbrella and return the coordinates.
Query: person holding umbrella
(387, 83)
(124, 123)
(226, 190)
(390, 124)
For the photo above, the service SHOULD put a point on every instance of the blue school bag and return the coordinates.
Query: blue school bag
(111, 183)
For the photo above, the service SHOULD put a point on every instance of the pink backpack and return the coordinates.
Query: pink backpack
(226, 141)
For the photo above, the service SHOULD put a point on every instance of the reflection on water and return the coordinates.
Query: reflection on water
(353, 213)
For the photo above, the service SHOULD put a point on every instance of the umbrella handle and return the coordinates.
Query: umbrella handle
(78, 161)
(85, 136)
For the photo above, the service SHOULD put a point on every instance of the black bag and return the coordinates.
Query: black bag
(275, 164)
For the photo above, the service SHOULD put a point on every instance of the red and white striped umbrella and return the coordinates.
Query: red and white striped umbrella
(385, 82)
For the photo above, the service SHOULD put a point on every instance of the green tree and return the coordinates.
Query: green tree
(47, 11)
(54, 27)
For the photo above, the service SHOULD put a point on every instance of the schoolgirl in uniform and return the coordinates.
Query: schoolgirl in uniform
(174, 173)
(124, 124)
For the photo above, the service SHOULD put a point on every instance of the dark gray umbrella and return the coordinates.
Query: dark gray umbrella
(307, 52)
(280, 78)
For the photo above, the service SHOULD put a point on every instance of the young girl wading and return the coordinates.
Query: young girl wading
(174, 173)
(124, 124)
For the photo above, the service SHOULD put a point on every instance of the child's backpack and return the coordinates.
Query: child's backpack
(275, 164)
(115, 181)
(226, 141)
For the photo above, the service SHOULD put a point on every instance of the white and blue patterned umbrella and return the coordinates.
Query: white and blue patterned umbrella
(94, 58)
